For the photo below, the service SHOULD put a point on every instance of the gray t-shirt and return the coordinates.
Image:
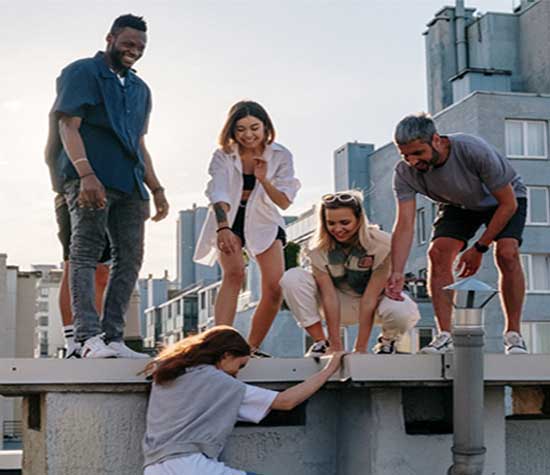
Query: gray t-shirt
(472, 171)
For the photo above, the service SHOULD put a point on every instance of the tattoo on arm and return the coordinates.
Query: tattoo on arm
(221, 216)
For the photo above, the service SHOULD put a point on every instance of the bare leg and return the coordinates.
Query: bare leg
(65, 297)
(441, 256)
(272, 266)
(316, 331)
(232, 281)
(101, 281)
(511, 282)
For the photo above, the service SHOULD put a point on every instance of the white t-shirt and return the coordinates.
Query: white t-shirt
(255, 406)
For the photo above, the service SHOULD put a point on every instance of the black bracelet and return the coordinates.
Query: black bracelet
(157, 189)
(222, 228)
(87, 174)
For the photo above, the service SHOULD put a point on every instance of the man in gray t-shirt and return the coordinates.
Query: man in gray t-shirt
(474, 185)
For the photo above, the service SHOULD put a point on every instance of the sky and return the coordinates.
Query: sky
(328, 72)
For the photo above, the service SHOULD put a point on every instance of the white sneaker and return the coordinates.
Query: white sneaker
(95, 347)
(514, 344)
(122, 351)
(73, 350)
(441, 343)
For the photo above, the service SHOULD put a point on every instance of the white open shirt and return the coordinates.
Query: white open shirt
(262, 218)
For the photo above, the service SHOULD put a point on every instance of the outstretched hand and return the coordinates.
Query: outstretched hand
(335, 361)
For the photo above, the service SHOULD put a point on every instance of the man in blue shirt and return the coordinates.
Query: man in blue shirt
(103, 109)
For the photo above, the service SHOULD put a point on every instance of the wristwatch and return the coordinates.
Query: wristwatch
(481, 248)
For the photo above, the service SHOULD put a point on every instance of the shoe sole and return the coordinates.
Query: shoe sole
(434, 351)
(516, 352)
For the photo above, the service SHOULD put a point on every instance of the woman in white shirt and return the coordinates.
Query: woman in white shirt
(251, 177)
(196, 400)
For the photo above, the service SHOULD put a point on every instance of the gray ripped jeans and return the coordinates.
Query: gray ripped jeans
(123, 219)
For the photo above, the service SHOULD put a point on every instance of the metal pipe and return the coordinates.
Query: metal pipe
(460, 30)
(468, 441)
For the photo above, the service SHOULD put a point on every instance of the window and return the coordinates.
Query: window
(537, 212)
(44, 291)
(526, 139)
(537, 336)
(537, 272)
(420, 226)
(43, 307)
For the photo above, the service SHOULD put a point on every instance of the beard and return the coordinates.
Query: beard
(430, 164)
(115, 57)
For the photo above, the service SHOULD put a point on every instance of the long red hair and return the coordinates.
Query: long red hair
(207, 347)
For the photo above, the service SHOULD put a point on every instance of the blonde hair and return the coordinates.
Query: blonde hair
(322, 239)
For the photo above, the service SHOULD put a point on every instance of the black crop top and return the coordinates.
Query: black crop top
(248, 181)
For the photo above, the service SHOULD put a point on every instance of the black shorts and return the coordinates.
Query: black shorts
(238, 226)
(462, 224)
(63, 219)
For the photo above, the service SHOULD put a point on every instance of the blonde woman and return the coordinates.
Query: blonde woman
(252, 177)
(350, 265)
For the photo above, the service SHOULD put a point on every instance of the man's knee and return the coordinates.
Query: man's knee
(441, 255)
(507, 257)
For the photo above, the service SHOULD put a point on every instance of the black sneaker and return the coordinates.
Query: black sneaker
(259, 354)
(384, 346)
(318, 349)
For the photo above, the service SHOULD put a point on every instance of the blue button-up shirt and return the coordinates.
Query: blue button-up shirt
(114, 117)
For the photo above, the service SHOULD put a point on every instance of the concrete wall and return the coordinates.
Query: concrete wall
(493, 44)
(534, 43)
(81, 434)
(26, 308)
(527, 447)
(366, 432)
(440, 59)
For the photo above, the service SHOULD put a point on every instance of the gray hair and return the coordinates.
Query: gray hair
(414, 127)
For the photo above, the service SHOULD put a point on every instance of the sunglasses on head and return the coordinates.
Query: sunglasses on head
(343, 198)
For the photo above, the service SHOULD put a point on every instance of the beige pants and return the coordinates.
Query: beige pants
(301, 294)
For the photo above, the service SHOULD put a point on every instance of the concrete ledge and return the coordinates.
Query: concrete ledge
(395, 368)
(10, 459)
(503, 369)
(26, 376)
